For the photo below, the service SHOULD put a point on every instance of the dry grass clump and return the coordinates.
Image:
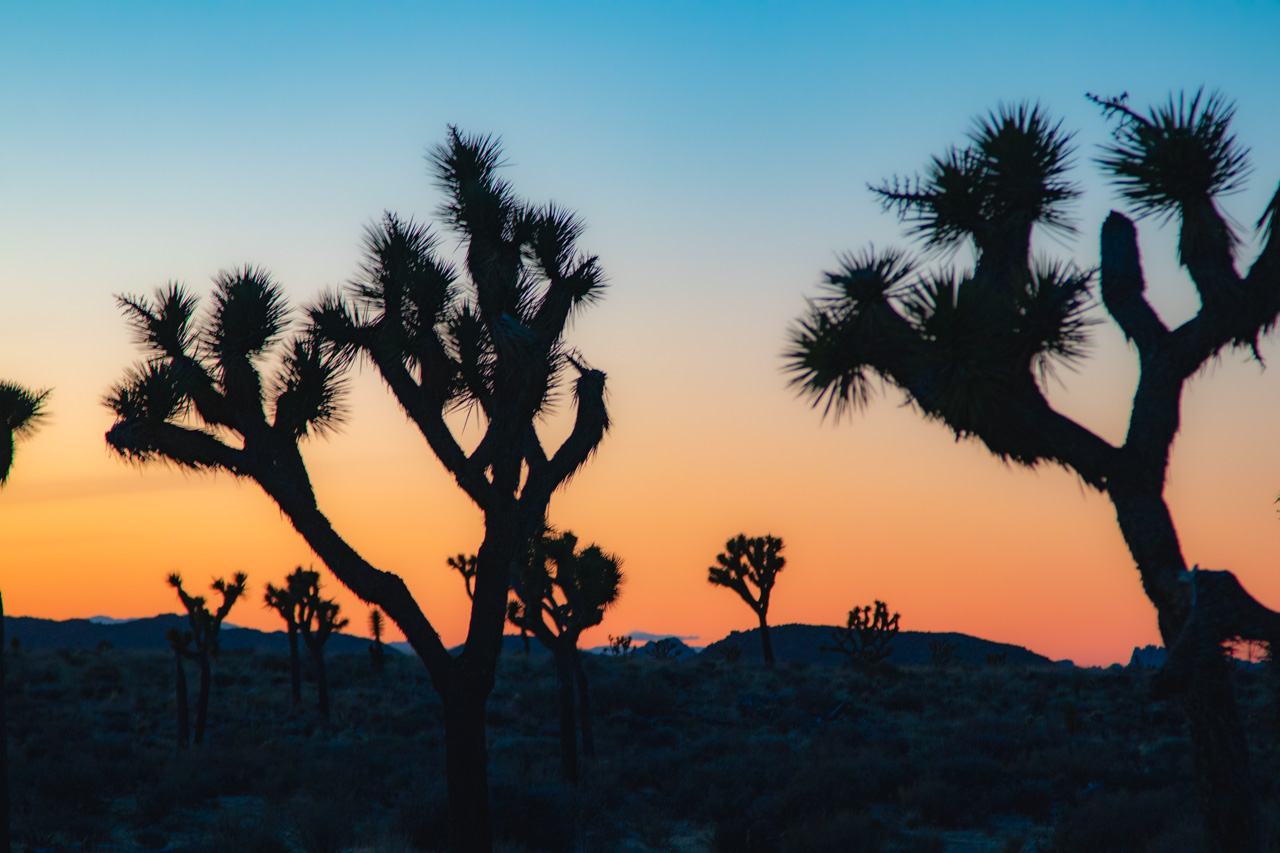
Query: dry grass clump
(694, 755)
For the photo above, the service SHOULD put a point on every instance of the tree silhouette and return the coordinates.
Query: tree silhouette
(377, 654)
(286, 601)
(21, 411)
(973, 349)
(867, 637)
(489, 337)
(748, 563)
(560, 592)
(200, 643)
(317, 620)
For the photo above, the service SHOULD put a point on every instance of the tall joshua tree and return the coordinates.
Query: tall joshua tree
(317, 620)
(20, 413)
(561, 591)
(285, 600)
(201, 642)
(748, 563)
(465, 565)
(972, 349)
(489, 336)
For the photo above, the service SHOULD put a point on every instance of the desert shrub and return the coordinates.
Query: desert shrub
(324, 826)
(942, 804)
(539, 819)
(745, 834)
(1119, 821)
(848, 831)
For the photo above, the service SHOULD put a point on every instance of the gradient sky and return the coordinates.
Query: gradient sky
(719, 153)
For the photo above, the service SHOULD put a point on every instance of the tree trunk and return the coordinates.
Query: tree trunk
(1219, 746)
(1220, 754)
(295, 666)
(765, 642)
(202, 702)
(568, 727)
(322, 684)
(4, 748)
(584, 707)
(467, 770)
(184, 716)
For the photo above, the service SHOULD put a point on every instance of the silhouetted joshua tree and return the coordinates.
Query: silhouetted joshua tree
(973, 349)
(286, 600)
(748, 563)
(491, 336)
(317, 620)
(377, 654)
(200, 643)
(560, 592)
(867, 638)
(21, 411)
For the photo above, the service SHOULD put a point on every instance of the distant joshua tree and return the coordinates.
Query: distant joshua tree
(20, 413)
(974, 349)
(377, 654)
(561, 591)
(286, 600)
(317, 620)
(228, 391)
(748, 563)
(868, 635)
(200, 644)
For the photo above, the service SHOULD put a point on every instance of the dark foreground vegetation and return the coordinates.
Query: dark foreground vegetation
(701, 754)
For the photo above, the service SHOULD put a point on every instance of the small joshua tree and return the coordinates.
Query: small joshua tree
(620, 647)
(317, 620)
(867, 636)
(748, 563)
(668, 648)
(561, 591)
(377, 654)
(942, 653)
(285, 600)
(201, 642)
(20, 413)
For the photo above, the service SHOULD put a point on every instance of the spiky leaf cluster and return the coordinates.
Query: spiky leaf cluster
(1180, 154)
(960, 343)
(489, 334)
(213, 367)
(748, 563)
(21, 411)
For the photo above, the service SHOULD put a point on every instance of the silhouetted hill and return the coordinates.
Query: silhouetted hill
(35, 633)
(511, 645)
(802, 644)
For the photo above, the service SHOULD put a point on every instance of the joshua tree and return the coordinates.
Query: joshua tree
(746, 563)
(180, 643)
(973, 349)
(285, 601)
(201, 642)
(868, 635)
(489, 336)
(562, 591)
(20, 413)
(377, 654)
(317, 620)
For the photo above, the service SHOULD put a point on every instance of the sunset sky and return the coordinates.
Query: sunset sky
(719, 154)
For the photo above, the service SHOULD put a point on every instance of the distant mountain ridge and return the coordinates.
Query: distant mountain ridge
(34, 633)
(791, 643)
(803, 644)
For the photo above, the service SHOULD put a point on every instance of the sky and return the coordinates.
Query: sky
(719, 154)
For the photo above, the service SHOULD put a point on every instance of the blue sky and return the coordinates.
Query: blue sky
(718, 152)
